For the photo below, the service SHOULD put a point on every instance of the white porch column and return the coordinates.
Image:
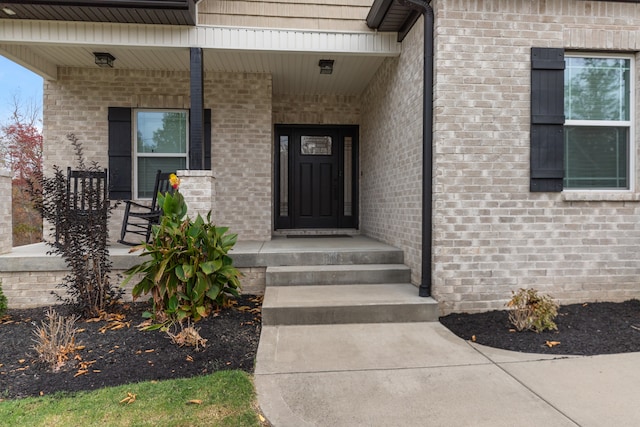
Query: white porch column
(6, 222)
(199, 191)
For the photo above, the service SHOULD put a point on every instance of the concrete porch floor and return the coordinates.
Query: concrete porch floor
(29, 275)
(278, 251)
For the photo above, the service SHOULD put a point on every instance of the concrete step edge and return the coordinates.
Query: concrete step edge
(343, 295)
(335, 267)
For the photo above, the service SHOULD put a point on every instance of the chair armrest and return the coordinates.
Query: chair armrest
(137, 205)
(151, 215)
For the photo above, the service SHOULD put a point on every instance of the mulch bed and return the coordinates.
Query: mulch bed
(583, 329)
(115, 351)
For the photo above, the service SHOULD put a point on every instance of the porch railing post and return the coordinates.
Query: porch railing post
(196, 127)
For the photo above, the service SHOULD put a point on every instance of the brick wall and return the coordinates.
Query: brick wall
(6, 222)
(26, 289)
(316, 109)
(391, 152)
(242, 153)
(36, 288)
(241, 131)
(491, 234)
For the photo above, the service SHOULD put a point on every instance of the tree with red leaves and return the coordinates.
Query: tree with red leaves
(21, 150)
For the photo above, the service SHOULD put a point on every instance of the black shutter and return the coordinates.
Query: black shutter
(207, 139)
(119, 153)
(547, 119)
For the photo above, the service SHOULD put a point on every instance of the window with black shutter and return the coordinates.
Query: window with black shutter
(122, 153)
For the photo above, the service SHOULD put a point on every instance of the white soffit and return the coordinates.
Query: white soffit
(228, 38)
(290, 56)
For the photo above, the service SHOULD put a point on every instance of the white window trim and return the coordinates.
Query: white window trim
(601, 192)
(136, 155)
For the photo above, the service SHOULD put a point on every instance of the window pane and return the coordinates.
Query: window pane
(148, 167)
(284, 175)
(596, 157)
(161, 131)
(597, 88)
(315, 145)
(348, 173)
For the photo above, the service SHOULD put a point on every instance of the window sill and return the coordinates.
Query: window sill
(600, 196)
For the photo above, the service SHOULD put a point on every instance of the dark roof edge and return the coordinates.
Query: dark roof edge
(377, 13)
(151, 4)
(395, 15)
(408, 25)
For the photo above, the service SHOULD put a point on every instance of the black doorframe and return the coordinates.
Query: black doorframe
(285, 215)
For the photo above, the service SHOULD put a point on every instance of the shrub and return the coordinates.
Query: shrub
(83, 234)
(3, 302)
(187, 336)
(189, 270)
(55, 339)
(530, 311)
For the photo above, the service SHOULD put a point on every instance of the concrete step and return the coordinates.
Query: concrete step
(338, 304)
(314, 255)
(337, 274)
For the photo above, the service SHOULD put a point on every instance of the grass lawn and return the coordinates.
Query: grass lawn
(224, 398)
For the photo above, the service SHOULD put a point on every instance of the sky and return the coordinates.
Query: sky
(17, 80)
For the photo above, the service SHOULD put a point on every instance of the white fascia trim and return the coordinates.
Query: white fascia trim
(207, 37)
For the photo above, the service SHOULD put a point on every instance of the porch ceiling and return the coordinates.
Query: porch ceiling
(292, 73)
(290, 56)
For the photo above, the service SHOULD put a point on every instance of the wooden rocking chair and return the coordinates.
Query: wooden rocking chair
(139, 219)
(87, 201)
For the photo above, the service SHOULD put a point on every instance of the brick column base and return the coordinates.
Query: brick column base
(198, 189)
(6, 222)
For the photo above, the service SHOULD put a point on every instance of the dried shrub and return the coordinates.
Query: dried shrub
(530, 311)
(188, 336)
(55, 339)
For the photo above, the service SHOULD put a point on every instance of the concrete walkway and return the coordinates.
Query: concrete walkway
(420, 374)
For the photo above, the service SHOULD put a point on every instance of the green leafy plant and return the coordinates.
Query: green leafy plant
(3, 302)
(188, 271)
(530, 311)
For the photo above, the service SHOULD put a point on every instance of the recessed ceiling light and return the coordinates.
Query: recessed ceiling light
(8, 11)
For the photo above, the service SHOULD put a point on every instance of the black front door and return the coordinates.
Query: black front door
(315, 183)
(315, 176)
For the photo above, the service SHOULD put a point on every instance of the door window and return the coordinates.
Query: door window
(316, 145)
(284, 176)
(348, 175)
